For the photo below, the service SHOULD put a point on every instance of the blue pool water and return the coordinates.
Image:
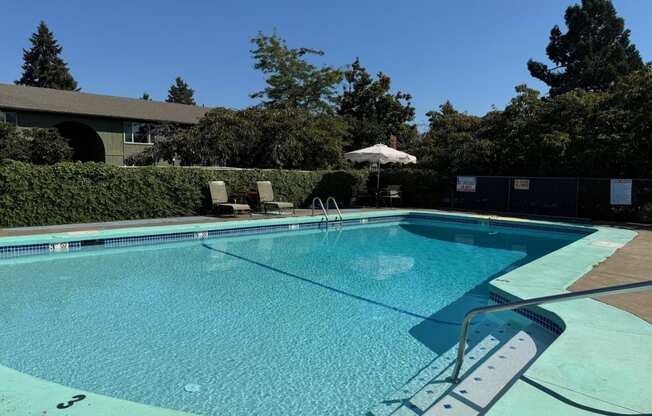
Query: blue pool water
(294, 323)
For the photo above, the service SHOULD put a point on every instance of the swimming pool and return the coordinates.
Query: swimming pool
(317, 321)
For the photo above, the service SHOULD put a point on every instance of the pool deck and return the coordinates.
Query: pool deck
(600, 364)
(158, 222)
(630, 264)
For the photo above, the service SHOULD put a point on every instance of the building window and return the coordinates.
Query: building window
(128, 134)
(9, 117)
(141, 133)
(135, 132)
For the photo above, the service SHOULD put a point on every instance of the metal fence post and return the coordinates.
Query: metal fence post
(509, 194)
(577, 198)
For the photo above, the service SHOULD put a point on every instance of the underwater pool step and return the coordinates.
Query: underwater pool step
(421, 392)
(498, 354)
(479, 390)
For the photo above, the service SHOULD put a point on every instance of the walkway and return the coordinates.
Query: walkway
(630, 264)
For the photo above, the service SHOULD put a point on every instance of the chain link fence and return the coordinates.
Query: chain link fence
(588, 198)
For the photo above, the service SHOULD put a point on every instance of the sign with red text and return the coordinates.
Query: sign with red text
(466, 184)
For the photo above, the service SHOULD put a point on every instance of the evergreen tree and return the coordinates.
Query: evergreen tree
(42, 66)
(181, 93)
(372, 111)
(592, 54)
(292, 81)
(145, 97)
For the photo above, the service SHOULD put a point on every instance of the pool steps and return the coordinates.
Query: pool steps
(499, 355)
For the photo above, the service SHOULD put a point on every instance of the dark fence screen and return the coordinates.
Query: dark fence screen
(565, 197)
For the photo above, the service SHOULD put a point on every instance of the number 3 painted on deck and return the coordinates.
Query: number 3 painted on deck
(74, 400)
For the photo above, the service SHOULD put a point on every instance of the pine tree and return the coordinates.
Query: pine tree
(42, 66)
(181, 93)
(145, 97)
(592, 54)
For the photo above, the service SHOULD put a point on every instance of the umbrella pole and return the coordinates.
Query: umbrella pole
(377, 184)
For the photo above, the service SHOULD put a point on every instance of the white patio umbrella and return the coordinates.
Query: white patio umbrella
(380, 154)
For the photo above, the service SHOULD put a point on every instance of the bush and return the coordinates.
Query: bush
(144, 158)
(275, 138)
(47, 146)
(87, 192)
(39, 146)
(12, 144)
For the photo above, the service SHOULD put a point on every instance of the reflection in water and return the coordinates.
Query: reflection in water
(384, 266)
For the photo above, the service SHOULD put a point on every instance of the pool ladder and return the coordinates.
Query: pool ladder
(562, 297)
(324, 210)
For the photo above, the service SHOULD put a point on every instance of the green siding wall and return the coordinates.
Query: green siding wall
(109, 130)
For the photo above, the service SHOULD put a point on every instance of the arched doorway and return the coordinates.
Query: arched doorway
(86, 144)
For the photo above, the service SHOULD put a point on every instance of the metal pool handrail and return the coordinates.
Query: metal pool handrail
(332, 198)
(321, 204)
(610, 290)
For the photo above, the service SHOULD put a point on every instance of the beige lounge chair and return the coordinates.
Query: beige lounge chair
(266, 195)
(220, 199)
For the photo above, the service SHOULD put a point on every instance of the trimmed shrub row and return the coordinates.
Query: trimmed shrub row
(89, 192)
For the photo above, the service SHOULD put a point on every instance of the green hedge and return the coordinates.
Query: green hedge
(88, 192)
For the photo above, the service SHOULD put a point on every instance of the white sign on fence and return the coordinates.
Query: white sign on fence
(522, 184)
(621, 192)
(466, 183)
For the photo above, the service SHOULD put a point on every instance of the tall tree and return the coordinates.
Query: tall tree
(181, 93)
(42, 65)
(145, 97)
(291, 80)
(592, 54)
(296, 138)
(451, 144)
(373, 112)
(258, 137)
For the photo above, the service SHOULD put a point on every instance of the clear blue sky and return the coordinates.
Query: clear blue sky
(472, 52)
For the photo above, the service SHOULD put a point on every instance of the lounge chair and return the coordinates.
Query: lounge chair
(266, 196)
(220, 199)
(391, 193)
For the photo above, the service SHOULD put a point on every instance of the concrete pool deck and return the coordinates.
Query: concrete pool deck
(601, 363)
(630, 264)
(160, 222)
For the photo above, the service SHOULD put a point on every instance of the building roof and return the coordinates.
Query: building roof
(20, 97)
